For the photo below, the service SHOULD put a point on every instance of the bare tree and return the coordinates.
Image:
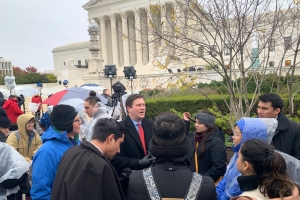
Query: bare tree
(237, 39)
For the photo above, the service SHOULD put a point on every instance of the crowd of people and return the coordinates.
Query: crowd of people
(139, 158)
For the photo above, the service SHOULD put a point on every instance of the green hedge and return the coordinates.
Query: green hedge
(194, 103)
(190, 103)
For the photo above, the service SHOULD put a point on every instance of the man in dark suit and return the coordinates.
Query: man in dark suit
(134, 150)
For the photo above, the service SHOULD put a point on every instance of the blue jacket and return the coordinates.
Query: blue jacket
(255, 128)
(45, 162)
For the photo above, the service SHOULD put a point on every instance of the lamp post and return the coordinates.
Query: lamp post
(66, 83)
(93, 32)
(37, 114)
(40, 87)
(130, 73)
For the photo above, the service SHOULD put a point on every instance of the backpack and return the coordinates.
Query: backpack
(45, 121)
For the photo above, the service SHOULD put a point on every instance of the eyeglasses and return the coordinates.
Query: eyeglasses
(77, 121)
(236, 134)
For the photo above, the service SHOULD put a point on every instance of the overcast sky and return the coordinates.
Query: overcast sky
(29, 30)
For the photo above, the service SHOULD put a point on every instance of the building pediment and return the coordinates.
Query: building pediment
(96, 3)
(91, 3)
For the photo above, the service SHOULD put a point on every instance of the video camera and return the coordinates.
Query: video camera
(21, 98)
(119, 91)
(118, 87)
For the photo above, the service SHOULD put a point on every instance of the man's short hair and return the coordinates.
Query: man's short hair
(168, 130)
(92, 100)
(131, 98)
(274, 99)
(104, 127)
(12, 96)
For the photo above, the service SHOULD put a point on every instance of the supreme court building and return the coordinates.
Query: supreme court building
(126, 38)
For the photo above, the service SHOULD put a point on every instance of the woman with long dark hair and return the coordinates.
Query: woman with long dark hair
(264, 173)
(208, 153)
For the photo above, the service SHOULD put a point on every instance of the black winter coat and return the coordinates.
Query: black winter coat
(84, 173)
(172, 175)
(287, 136)
(2, 137)
(131, 150)
(213, 161)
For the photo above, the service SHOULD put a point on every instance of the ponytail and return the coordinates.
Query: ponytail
(270, 167)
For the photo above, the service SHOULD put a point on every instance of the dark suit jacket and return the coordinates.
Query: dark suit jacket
(84, 173)
(131, 149)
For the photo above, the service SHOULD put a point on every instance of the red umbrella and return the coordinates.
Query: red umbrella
(75, 92)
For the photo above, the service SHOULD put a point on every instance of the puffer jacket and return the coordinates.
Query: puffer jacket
(46, 160)
(12, 110)
(22, 145)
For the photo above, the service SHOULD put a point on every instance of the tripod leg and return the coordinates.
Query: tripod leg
(131, 85)
(112, 114)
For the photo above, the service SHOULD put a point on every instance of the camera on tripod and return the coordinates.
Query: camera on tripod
(119, 91)
(118, 87)
(21, 98)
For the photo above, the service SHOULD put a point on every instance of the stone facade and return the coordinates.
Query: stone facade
(6, 69)
(126, 39)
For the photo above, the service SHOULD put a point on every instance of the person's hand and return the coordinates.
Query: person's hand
(125, 173)
(147, 161)
(186, 116)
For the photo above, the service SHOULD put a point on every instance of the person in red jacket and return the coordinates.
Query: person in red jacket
(37, 99)
(13, 111)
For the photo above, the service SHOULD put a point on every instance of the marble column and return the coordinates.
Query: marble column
(138, 38)
(115, 56)
(103, 40)
(99, 43)
(164, 44)
(151, 36)
(164, 20)
(178, 32)
(144, 36)
(125, 40)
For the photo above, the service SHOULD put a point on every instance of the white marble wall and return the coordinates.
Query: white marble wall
(6, 68)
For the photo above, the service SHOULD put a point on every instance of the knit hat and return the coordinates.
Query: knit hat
(206, 119)
(62, 117)
(241, 124)
(4, 121)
